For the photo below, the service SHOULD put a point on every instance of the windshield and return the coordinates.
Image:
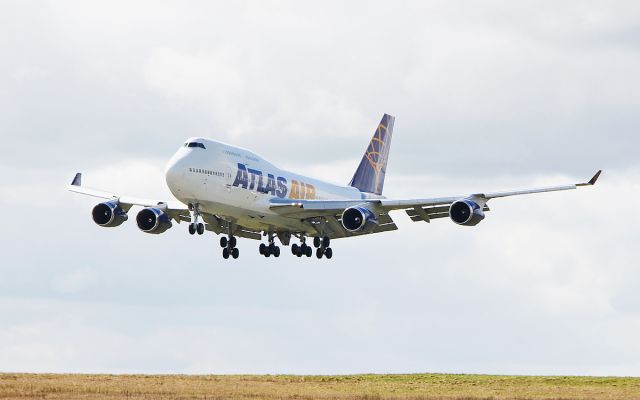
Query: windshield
(194, 144)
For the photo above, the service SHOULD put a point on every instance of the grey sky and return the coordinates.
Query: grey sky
(488, 96)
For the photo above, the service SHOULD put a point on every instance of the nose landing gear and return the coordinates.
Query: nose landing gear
(195, 226)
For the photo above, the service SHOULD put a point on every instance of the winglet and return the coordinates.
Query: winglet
(77, 180)
(592, 181)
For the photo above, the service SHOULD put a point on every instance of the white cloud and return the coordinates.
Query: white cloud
(75, 281)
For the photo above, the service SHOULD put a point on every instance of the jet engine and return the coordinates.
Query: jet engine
(109, 214)
(359, 219)
(466, 212)
(153, 220)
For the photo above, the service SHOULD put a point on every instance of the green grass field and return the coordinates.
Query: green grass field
(354, 387)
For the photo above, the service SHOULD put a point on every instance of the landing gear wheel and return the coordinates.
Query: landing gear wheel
(225, 253)
(263, 248)
(276, 252)
(200, 228)
(192, 229)
(304, 248)
(235, 253)
(299, 252)
(316, 242)
(294, 249)
(319, 253)
(326, 242)
(328, 253)
(309, 251)
(232, 242)
(223, 241)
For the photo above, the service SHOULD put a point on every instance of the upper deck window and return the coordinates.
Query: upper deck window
(194, 144)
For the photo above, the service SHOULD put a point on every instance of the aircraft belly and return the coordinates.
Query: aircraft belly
(246, 208)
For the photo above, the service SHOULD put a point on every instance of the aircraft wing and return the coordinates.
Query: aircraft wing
(175, 209)
(417, 209)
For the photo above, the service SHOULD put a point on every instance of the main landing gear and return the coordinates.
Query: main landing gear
(195, 226)
(229, 247)
(301, 250)
(271, 249)
(322, 247)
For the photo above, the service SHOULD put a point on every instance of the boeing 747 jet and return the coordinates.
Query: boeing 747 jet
(234, 192)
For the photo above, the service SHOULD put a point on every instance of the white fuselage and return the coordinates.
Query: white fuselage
(238, 184)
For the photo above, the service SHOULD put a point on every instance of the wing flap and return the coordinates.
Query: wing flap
(426, 214)
(385, 224)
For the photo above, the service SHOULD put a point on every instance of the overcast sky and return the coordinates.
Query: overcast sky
(487, 96)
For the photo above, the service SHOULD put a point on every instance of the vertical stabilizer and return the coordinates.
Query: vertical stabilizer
(369, 176)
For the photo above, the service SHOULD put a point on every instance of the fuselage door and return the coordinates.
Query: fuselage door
(229, 176)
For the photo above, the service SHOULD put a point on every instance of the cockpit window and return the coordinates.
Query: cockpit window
(194, 144)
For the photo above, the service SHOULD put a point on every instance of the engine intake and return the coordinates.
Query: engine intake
(153, 220)
(359, 219)
(109, 214)
(466, 212)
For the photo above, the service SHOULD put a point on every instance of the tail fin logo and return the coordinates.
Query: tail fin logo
(376, 150)
(369, 176)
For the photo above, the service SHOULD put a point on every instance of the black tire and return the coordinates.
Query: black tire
(235, 253)
(319, 253)
(262, 248)
(225, 253)
(326, 242)
(328, 253)
(316, 242)
(223, 241)
(200, 228)
(267, 253)
(294, 249)
(192, 229)
(299, 252)
(276, 252)
(309, 251)
(233, 242)
(304, 247)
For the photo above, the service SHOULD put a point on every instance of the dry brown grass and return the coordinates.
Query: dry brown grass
(354, 387)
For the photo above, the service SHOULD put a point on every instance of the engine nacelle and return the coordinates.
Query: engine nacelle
(109, 214)
(359, 219)
(153, 220)
(466, 212)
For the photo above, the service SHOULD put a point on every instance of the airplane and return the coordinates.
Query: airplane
(234, 192)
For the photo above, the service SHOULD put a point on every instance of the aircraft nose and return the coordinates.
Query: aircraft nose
(174, 171)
